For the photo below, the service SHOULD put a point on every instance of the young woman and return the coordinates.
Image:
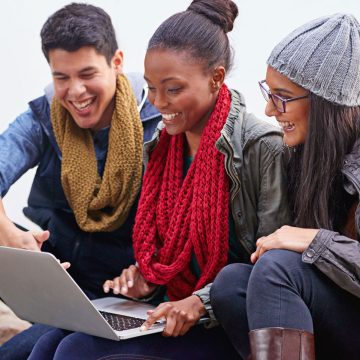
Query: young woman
(213, 184)
(309, 283)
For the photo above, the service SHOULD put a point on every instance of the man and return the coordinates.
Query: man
(85, 135)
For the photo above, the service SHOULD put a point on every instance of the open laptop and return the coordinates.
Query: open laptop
(38, 289)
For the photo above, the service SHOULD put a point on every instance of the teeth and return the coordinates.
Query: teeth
(169, 116)
(80, 105)
(286, 124)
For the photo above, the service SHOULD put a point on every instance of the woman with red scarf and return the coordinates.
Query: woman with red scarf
(213, 184)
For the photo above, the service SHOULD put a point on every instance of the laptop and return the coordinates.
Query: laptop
(38, 289)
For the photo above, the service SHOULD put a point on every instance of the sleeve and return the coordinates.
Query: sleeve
(20, 149)
(204, 295)
(273, 209)
(338, 257)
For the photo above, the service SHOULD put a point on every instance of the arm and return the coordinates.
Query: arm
(338, 257)
(272, 209)
(20, 149)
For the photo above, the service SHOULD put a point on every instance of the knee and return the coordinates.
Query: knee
(230, 283)
(275, 265)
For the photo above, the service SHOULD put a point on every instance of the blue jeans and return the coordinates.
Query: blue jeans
(199, 343)
(19, 347)
(282, 291)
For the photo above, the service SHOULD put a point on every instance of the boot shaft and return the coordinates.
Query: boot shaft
(281, 344)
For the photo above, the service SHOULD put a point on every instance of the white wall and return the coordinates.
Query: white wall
(24, 71)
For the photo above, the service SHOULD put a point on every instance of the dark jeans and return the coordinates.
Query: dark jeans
(282, 291)
(19, 347)
(198, 344)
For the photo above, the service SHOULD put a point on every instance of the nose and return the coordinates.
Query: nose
(270, 109)
(160, 101)
(76, 88)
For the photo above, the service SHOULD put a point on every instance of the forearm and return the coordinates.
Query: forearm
(8, 231)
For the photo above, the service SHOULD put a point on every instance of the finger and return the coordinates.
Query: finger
(253, 257)
(118, 287)
(108, 284)
(175, 321)
(130, 275)
(186, 327)
(42, 236)
(157, 314)
(65, 265)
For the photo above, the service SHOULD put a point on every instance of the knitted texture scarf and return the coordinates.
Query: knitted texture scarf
(178, 217)
(101, 204)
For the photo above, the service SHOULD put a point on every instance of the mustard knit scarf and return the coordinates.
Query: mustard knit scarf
(101, 204)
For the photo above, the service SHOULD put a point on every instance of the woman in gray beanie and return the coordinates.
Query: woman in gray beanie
(309, 283)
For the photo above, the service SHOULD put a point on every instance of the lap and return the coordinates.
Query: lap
(199, 343)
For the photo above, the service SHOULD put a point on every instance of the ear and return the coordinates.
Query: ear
(217, 78)
(117, 61)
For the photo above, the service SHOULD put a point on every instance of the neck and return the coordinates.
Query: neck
(193, 143)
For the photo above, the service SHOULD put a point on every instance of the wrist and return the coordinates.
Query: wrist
(199, 304)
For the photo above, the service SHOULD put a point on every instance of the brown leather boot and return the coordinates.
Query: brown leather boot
(281, 344)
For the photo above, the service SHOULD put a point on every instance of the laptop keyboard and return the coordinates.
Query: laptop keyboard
(121, 322)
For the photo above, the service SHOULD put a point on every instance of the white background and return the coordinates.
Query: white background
(24, 71)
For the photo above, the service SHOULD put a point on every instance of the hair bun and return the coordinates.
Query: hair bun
(220, 12)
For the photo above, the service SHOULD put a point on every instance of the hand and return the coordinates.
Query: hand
(14, 237)
(287, 237)
(130, 283)
(180, 315)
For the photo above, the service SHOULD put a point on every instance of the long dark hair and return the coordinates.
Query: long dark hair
(315, 178)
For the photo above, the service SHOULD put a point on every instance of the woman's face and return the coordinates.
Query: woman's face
(180, 88)
(294, 122)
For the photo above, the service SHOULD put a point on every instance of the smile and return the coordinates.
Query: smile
(286, 125)
(82, 105)
(169, 116)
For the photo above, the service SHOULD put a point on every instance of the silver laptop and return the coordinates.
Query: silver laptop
(38, 289)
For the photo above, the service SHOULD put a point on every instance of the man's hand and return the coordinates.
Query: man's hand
(180, 315)
(287, 238)
(130, 283)
(13, 237)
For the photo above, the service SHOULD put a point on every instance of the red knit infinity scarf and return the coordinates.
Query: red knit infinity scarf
(180, 216)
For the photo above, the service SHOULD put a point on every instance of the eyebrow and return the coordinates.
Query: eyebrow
(282, 90)
(163, 80)
(84, 70)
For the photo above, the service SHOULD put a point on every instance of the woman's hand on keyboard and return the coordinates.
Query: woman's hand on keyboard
(180, 315)
(130, 283)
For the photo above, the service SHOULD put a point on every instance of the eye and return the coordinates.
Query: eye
(151, 89)
(87, 75)
(174, 90)
(60, 77)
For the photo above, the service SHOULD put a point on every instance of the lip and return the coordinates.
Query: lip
(169, 118)
(83, 111)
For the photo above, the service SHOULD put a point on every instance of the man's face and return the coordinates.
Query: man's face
(85, 84)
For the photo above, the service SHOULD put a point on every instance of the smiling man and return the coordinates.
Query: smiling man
(85, 135)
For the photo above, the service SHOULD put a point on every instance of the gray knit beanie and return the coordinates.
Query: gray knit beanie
(323, 56)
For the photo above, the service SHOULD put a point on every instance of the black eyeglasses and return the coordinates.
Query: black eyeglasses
(278, 101)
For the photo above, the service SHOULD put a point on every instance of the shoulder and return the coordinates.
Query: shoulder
(247, 131)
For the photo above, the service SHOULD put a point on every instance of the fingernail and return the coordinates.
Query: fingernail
(130, 283)
(142, 328)
(124, 289)
(106, 289)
